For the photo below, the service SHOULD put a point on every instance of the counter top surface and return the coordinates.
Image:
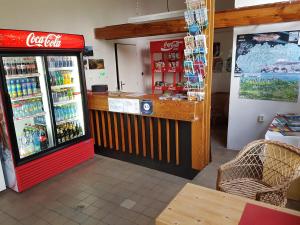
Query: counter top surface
(168, 109)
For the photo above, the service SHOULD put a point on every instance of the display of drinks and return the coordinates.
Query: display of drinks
(60, 61)
(27, 108)
(19, 65)
(63, 95)
(60, 77)
(23, 87)
(68, 131)
(33, 139)
(65, 112)
(40, 120)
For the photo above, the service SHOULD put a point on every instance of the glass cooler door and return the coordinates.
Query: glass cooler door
(66, 97)
(26, 85)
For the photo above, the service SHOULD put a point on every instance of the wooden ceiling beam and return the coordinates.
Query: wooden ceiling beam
(255, 15)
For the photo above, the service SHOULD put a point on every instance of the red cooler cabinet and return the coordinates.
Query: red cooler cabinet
(43, 106)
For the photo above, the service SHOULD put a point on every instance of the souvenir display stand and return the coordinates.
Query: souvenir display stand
(167, 60)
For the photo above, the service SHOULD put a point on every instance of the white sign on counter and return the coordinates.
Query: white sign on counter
(124, 105)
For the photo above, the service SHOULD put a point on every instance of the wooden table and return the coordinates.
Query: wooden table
(198, 205)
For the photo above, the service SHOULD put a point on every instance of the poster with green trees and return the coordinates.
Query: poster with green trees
(268, 65)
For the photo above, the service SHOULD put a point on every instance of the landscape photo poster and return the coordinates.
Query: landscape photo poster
(268, 65)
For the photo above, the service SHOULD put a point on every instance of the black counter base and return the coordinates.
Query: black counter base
(171, 168)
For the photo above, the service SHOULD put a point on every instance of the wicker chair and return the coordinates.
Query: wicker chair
(263, 170)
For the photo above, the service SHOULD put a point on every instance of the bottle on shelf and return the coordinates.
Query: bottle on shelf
(33, 139)
(68, 131)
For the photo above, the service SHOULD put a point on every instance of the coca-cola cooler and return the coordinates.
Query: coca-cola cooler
(43, 106)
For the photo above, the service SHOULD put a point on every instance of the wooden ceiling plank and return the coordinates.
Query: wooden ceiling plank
(254, 15)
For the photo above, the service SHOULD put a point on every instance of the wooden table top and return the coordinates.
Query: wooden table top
(198, 205)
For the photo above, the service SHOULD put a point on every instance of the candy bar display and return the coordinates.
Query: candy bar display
(195, 52)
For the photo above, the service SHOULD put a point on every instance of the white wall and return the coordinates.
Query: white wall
(243, 126)
(244, 3)
(221, 81)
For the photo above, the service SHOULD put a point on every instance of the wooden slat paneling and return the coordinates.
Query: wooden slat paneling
(168, 140)
(129, 134)
(109, 130)
(116, 131)
(151, 138)
(144, 137)
(159, 139)
(255, 15)
(98, 128)
(136, 135)
(122, 132)
(177, 142)
(104, 129)
(92, 124)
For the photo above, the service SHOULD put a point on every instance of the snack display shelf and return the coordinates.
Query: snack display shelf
(60, 68)
(34, 96)
(67, 120)
(166, 88)
(64, 102)
(18, 76)
(168, 71)
(31, 116)
(62, 86)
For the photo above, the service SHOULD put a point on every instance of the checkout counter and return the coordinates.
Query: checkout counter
(167, 135)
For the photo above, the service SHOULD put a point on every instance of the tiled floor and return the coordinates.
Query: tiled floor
(103, 191)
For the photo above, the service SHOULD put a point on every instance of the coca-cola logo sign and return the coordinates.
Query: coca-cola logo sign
(168, 46)
(47, 41)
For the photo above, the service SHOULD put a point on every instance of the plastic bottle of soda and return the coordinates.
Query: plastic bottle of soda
(8, 87)
(13, 89)
(13, 66)
(24, 87)
(23, 66)
(19, 88)
(36, 140)
(29, 86)
(34, 85)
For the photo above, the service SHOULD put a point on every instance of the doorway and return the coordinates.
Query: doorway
(128, 77)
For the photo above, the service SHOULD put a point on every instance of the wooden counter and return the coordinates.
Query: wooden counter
(198, 205)
(170, 139)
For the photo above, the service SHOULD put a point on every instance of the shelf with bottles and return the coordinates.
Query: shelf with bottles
(30, 116)
(32, 140)
(64, 102)
(60, 79)
(27, 109)
(75, 118)
(63, 86)
(59, 62)
(61, 68)
(29, 97)
(63, 96)
(65, 112)
(19, 66)
(23, 88)
(18, 76)
(68, 131)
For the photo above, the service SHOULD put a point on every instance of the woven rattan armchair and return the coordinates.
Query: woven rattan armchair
(263, 171)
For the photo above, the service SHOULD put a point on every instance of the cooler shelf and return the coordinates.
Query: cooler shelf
(64, 102)
(19, 76)
(31, 116)
(62, 86)
(60, 68)
(39, 95)
(67, 120)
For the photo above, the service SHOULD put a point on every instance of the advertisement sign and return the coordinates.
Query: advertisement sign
(39, 40)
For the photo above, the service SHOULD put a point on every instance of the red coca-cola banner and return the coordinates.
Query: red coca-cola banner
(167, 45)
(39, 40)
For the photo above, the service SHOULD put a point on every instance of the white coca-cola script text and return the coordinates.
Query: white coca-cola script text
(49, 41)
(168, 46)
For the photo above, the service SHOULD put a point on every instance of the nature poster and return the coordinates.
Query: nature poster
(268, 65)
